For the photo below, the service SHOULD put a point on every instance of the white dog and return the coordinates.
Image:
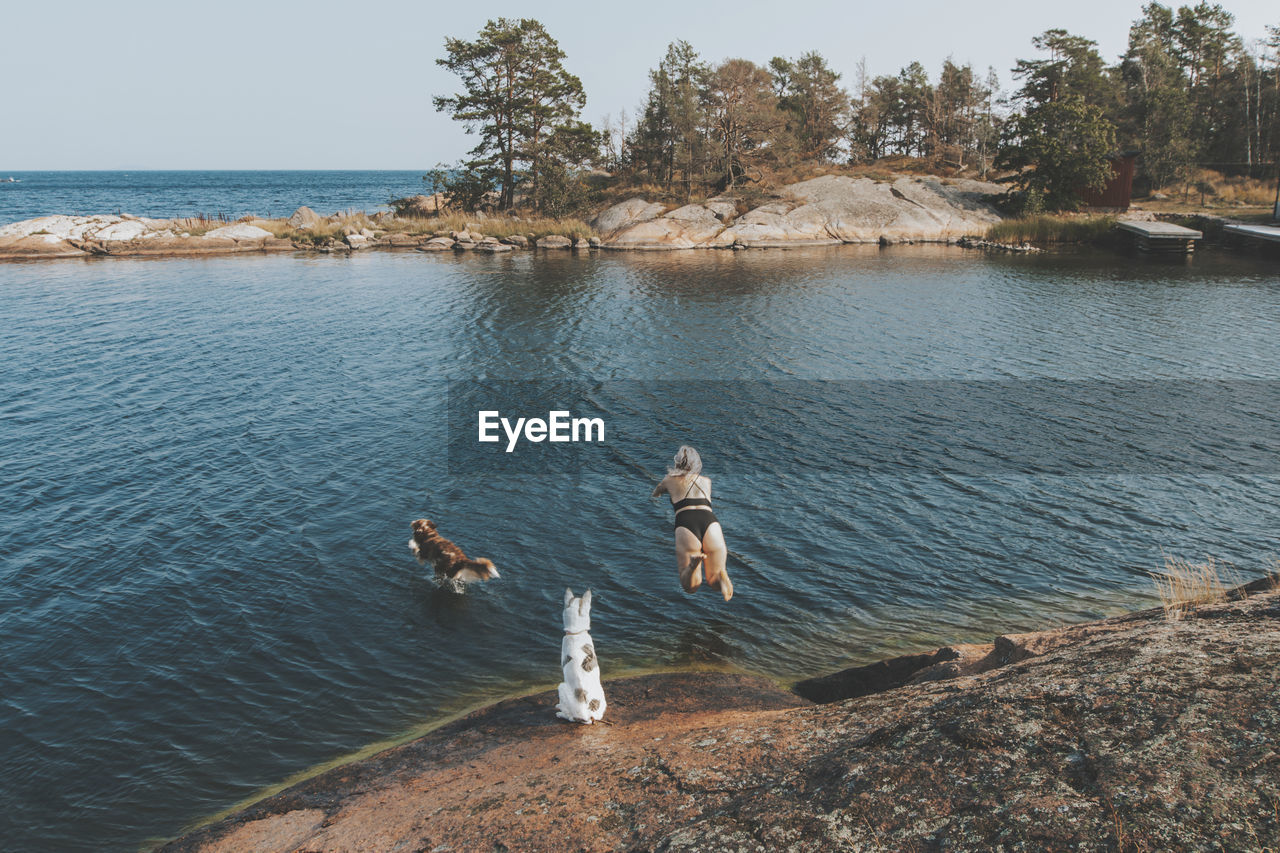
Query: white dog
(581, 696)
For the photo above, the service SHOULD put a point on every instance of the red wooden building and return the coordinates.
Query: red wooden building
(1117, 192)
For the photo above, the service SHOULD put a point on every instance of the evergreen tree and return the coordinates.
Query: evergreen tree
(873, 126)
(1061, 140)
(915, 96)
(815, 106)
(1208, 51)
(1156, 118)
(748, 126)
(958, 133)
(670, 141)
(517, 96)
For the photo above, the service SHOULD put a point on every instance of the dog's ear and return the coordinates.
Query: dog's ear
(584, 606)
(568, 596)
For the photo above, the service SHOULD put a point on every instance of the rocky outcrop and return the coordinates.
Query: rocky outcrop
(104, 228)
(421, 206)
(823, 211)
(240, 232)
(624, 215)
(827, 210)
(684, 228)
(70, 236)
(305, 217)
(1135, 733)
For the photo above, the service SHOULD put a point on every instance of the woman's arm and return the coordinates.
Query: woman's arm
(660, 488)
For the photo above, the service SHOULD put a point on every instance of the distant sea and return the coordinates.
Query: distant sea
(192, 193)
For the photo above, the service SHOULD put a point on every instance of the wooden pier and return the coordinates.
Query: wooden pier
(1256, 234)
(1161, 237)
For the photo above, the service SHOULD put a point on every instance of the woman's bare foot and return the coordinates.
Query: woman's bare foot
(692, 576)
(722, 584)
(725, 585)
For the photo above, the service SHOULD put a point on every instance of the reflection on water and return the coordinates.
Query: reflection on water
(212, 465)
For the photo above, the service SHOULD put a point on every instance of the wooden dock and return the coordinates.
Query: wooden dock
(1264, 234)
(1161, 236)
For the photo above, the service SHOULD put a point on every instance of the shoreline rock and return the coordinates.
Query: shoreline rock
(1134, 732)
(823, 211)
(120, 234)
(971, 242)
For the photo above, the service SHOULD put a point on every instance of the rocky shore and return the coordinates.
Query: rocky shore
(1132, 733)
(828, 210)
(823, 211)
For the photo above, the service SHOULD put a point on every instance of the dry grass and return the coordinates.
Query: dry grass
(1207, 189)
(1047, 228)
(333, 229)
(1184, 585)
(624, 188)
(278, 227)
(494, 226)
(198, 226)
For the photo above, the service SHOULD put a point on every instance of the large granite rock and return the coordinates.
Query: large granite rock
(241, 232)
(822, 211)
(63, 227)
(624, 215)
(38, 246)
(683, 228)
(305, 217)
(63, 236)
(130, 229)
(1134, 733)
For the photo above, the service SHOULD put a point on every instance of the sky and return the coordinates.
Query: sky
(139, 84)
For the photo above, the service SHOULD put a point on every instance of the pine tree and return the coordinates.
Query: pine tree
(517, 96)
(1156, 118)
(670, 138)
(749, 128)
(815, 106)
(1061, 141)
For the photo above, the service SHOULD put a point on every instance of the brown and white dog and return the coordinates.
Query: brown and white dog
(447, 559)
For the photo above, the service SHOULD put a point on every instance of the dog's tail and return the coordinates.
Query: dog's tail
(481, 569)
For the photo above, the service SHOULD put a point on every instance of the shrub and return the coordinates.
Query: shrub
(1046, 228)
(1184, 585)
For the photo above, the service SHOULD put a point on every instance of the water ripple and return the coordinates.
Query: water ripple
(210, 465)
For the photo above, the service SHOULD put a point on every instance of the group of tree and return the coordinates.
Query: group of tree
(1186, 91)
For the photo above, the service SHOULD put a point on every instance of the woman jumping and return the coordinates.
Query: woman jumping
(699, 538)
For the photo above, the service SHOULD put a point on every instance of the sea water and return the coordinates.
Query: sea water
(210, 467)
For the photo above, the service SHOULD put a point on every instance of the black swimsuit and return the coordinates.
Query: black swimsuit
(696, 521)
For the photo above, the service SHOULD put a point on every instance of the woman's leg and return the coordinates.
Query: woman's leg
(717, 555)
(689, 559)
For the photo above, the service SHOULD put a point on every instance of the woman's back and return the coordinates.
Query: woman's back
(691, 491)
